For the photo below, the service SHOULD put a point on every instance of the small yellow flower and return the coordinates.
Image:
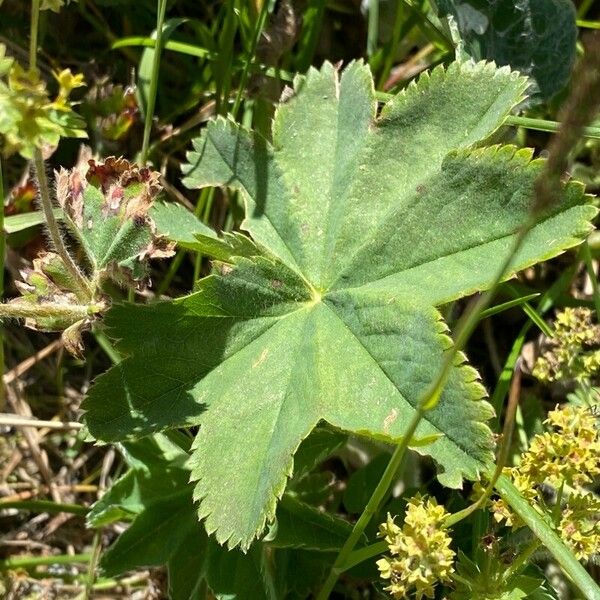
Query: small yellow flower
(573, 351)
(580, 524)
(567, 458)
(67, 82)
(569, 454)
(420, 553)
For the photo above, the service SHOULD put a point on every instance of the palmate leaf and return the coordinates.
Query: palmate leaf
(362, 225)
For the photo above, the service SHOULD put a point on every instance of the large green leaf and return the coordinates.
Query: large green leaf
(362, 225)
(537, 37)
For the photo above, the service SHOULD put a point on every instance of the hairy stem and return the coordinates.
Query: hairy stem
(53, 229)
(48, 310)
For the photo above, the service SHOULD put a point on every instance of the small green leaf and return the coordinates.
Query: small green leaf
(178, 224)
(20, 222)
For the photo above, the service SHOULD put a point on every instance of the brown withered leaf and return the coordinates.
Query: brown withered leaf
(108, 204)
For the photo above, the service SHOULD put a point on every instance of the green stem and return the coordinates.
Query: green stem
(532, 313)
(258, 29)
(548, 126)
(46, 506)
(312, 23)
(373, 505)
(428, 400)
(498, 308)
(171, 272)
(588, 24)
(584, 7)
(55, 235)
(200, 52)
(522, 560)
(366, 553)
(390, 55)
(587, 257)
(470, 319)
(33, 34)
(30, 562)
(91, 572)
(48, 310)
(149, 116)
(544, 305)
(205, 202)
(106, 345)
(549, 538)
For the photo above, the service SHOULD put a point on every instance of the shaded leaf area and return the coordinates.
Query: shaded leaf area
(361, 225)
(164, 530)
(536, 37)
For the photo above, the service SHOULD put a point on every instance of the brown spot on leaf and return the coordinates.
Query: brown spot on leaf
(261, 359)
(389, 420)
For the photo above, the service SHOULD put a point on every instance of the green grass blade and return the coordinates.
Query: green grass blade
(149, 116)
(571, 566)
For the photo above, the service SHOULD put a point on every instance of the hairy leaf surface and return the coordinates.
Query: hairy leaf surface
(362, 223)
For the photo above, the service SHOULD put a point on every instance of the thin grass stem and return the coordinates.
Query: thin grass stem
(266, 7)
(91, 572)
(44, 506)
(373, 27)
(30, 562)
(149, 116)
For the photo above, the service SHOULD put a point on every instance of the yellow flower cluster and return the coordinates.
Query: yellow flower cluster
(573, 351)
(420, 553)
(567, 457)
(29, 119)
(580, 524)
